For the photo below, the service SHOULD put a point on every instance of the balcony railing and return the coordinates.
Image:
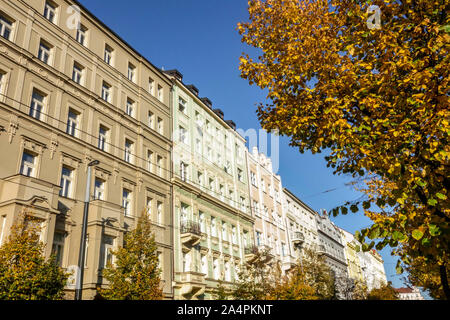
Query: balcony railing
(251, 249)
(298, 237)
(188, 226)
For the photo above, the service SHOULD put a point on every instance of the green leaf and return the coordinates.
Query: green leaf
(432, 202)
(434, 230)
(374, 233)
(421, 183)
(344, 210)
(399, 269)
(441, 196)
(397, 235)
(426, 242)
(354, 208)
(357, 248)
(417, 234)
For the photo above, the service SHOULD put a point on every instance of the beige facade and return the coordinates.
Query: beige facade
(68, 97)
(266, 203)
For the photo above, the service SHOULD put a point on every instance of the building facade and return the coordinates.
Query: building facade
(351, 255)
(301, 224)
(265, 190)
(212, 219)
(68, 97)
(412, 293)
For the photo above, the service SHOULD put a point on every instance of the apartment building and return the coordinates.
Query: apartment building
(265, 190)
(351, 255)
(301, 224)
(212, 219)
(68, 97)
(373, 269)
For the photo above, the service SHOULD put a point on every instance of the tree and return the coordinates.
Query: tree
(135, 274)
(385, 292)
(375, 99)
(421, 274)
(25, 273)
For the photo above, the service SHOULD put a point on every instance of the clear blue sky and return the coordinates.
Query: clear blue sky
(199, 38)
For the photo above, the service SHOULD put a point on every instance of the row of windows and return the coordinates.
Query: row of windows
(50, 13)
(230, 269)
(28, 167)
(280, 246)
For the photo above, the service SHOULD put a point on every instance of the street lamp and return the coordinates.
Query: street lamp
(79, 281)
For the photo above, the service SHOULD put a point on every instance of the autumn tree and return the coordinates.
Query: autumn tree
(25, 273)
(375, 98)
(135, 274)
(385, 292)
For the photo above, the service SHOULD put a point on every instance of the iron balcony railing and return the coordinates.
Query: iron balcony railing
(188, 226)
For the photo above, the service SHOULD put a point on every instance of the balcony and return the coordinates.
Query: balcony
(297, 238)
(250, 252)
(192, 284)
(190, 233)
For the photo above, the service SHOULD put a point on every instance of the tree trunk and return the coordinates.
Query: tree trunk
(444, 280)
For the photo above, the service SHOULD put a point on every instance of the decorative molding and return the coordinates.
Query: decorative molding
(53, 144)
(13, 126)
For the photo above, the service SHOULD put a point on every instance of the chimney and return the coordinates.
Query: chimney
(231, 124)
(174, 73)
(193, 89)
(219, 112)
(207, 102)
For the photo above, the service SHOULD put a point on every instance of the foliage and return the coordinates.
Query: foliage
(263, 279)
(135, 274)
(421, 274)
(25, 274)
(376, 100)
(385, 292)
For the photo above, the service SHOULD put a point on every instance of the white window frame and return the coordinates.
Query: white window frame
(128, 151)
(183, 136)
(82, 34)
(151, 120)
(37, 104)
(28, 168)
(108, 55)
(66, 182)
(130, 108)
(131, 72)
(50, 11)
(149, 160)
(182, 105)
(6, 27)
(159, 160)
(160, 93)
(160, 124)
(45, 52)
(151, 86)
(103, 138)
(127, 201)
(99, 189)
(159, 212)
(78, 73)
(73, 122)
(106, 92)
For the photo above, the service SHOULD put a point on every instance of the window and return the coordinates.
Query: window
(107, 247)
(128, 151)
(215, 268)
(129, 109)
(243, 208)
(183, 171)
(240, 175)
(103, 138)
(159, 212)
(50, 11)
(28, 164)
(224, 231)
(211, 184)
(37, 105)
(99, 189)
(213, 227)
(183, 135)
(149, 160)
(2, 228)
(126, 202)
(58, 247)
(106, 92)
(198, 146)
(44, 52)
(227, 271)
(131, 72)
(209, 154)
(204, 264)
(222, 191)
(202, 221)
(263, 185)
(160, 126)
(160, 93)
(151, 120)
(200, 178)
(108, 56)
(159, 163)
(5, 27)
(182, 105)
(77, 73)
(234, 234)
(86, 251)
(255, 207)
(82, 35)
(2, 80)
(253, 178)
(151, 86)
(184, 212)
(66, 182)
(72, 123)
